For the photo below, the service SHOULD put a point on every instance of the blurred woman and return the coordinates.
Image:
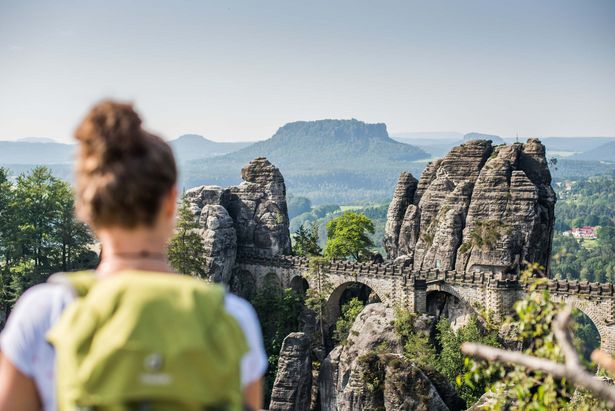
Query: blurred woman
(126, 191)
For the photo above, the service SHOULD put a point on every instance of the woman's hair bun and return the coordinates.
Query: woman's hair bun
(123, 171)
(109, 130)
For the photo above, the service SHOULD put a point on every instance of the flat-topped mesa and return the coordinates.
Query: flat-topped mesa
(479, 208)
(252, 216)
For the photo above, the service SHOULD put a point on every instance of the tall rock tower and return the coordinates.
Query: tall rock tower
(479, 208)
(251, 217)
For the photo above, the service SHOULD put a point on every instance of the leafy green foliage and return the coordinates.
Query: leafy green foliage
(417, 346)
(321, 215)
(584, 202)
(39, 233)
(316, 296)
(585, 333)
(305, 241)
(186, 247)
(350, 311)
(444, 354)
(278, 312)
(514, 386)
(347, 236)
(590, 202)
(571, 259)
(450, 361)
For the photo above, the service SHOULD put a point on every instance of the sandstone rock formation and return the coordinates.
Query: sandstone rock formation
(479, 208)
(252, 216)
(370, 372)
(258, 207)
(293, 382)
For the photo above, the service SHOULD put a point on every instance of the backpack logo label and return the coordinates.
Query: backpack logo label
(153, 362)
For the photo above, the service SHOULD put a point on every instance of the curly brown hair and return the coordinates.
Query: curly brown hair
(123, 172)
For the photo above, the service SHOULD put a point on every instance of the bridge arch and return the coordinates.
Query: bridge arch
(334, 301)
(444, 300)
(243, 283)
(299, 284)
(271, 280)
(596, 315)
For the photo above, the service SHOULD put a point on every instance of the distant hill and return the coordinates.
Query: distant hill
(325, 160)
(574, 144)
(480, 136)
(604, 152)
(36, 140)
(192, 146)
(439, 143)
(32, 151)
(427, 136)
(27, 152)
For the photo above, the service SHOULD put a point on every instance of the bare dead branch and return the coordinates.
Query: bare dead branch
(561, 331)
(577, 376)
(604, 360)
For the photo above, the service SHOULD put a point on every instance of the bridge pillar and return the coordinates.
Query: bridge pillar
(501, 296)
(418, 296)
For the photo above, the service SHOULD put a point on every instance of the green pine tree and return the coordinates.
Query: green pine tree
(305, 241)
(186, 248)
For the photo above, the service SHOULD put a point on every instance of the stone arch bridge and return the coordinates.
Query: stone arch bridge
(397, 285)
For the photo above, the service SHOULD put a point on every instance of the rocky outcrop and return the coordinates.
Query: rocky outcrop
(258, 208)
(293, 382)
(479, 208)
(252, 216)
(370, 372)
(220, 242)
(402, 198)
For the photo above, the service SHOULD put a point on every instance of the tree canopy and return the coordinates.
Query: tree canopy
(39, 233)
(348, 236)
(305, 241)
(186, 248)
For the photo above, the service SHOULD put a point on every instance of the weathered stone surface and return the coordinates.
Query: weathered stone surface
(293, 383)
(406, 387)
(479, 208)
(511, 214)
(258, 207)
(251, 216)
(370, 372)
(458, 312)
(220, 242)
(402, 198)
(328, 380)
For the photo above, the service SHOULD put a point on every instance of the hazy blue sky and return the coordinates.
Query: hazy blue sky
(237, 70)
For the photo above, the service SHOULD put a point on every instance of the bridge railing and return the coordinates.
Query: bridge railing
(575, 287)
(389, 269)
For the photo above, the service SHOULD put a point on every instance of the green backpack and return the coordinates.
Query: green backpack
(146, 341)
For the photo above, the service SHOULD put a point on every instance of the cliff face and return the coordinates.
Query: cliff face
(370, 372)
(252, 216)
(479, 208)
(293, 381)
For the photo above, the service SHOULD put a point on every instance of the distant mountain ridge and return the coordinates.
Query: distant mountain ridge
(480, 136)
(604, 152)
(342, 141)
(323, 159)
(20, 152)
(190, 147)
(46, 151)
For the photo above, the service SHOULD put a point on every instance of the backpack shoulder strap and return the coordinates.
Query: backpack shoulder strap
(80, 282)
